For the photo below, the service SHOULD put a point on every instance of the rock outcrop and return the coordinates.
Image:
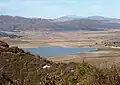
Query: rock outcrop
(3, 44)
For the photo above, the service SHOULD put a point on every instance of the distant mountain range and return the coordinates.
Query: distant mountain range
(65, 23)
(69, 17)
(74, 17)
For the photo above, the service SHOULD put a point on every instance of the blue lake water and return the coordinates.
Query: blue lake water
(58, 51)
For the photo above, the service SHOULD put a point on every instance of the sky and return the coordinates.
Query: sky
(58, 8)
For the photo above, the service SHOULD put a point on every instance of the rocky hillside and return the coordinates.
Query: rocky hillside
(18, 67)
(10, 23)
(22, 68)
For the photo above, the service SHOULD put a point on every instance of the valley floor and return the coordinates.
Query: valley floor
(64, 39)
(71, 39)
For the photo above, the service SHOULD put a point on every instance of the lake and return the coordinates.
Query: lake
(58, 51)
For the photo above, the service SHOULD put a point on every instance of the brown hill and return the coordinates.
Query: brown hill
(18, 67)
(23, 68)
(10, 23)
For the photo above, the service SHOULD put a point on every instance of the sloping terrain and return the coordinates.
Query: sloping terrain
(22, 68)
(10, 23)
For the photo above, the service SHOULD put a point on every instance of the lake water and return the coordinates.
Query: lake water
(58, 51)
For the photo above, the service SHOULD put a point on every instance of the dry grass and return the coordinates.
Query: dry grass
(20, 68)
(76, 39)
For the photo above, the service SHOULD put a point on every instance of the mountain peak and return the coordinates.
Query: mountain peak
(97, 18)
(68, 17)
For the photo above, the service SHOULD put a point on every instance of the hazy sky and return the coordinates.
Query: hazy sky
(57, 8)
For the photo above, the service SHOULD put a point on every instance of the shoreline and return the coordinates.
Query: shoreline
(106, 55)
(70, 39)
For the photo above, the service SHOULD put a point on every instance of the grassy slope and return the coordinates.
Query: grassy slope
(20, 68)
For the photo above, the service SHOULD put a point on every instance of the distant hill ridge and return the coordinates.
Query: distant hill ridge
(93, 23)
(3, 34)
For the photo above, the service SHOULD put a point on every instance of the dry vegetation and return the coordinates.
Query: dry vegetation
(70, 39)
(22, 68)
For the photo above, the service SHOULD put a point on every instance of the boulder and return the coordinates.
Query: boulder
(46, 66)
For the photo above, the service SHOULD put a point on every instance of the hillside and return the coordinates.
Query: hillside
(18, 67)
(10, 23)
(22, 68)
(3, 34)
